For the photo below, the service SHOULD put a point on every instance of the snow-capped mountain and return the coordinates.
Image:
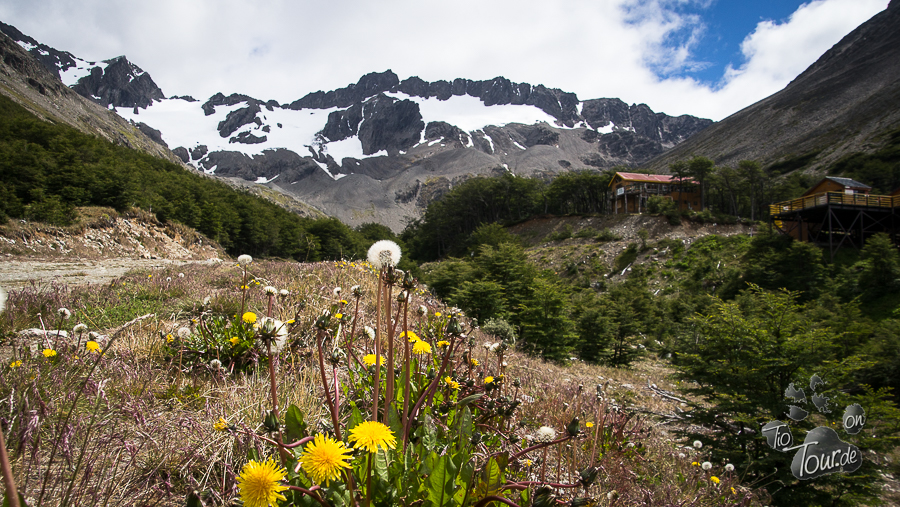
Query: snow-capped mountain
(380, 149)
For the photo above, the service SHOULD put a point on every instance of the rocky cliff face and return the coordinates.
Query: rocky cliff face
(843, 103)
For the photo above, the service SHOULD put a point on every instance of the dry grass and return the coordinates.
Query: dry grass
(135, 427)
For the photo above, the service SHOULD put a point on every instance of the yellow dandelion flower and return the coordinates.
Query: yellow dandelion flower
(344, 302)
(437, 314)
(323, 459)
(249, 317)
(528, 462)
(714, 479)
(369, 359)
(235, 340)
(473, 362)
(290, 321)
(15, 364)
(48, 353)
(421, 348)
(92, 346)
(488, 380)
(452, 384)
(695, 464)
(589, 424)
(220, 425)
(443, 343)
(339, 316)
(259, 483)
(169, 338)
(733, 491)
(413, 338)
(371, 435)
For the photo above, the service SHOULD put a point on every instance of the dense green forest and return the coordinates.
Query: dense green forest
(48, 170)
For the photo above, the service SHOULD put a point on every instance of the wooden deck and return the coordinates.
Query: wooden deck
(834, 198)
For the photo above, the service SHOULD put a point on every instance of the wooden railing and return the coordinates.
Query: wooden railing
(811, 201)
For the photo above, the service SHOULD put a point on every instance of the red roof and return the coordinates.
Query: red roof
(649, 178)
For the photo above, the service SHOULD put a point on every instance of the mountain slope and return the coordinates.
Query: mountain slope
(26, 79)
(844, 103)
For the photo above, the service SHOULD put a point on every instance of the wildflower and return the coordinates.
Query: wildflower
(215, 364)
(384, 253)
(370, 333)
(207, 300)
(729, 467)
(589, 424)
(422, 310)
(345, 302)
(698, 444)
(413, 338)
(612, 495)
(443, 343)
(245, 259)
(494, 347)
(339, 316)
(170, 338)
(48, 353)
(528, 462)
(234, 340)
(706, 465)
(488, 380)
(437, 314)
(323, 458)
(150, 276)
(249, 317)
(220, 425)
(369, 359)
(452, 384)
(168, 278)
(284, 293)
(336, 291)
(64, 313)
(545, 434)
(695, 464)
(259, 483)
(356, 290)
(733, 491)
(268, 289)
(79, 328)
(92, 346)
(17, 363)
(473, 362)
(276, 330)
(714, 479)
(421, 348)
(180, 275)
(371, 435)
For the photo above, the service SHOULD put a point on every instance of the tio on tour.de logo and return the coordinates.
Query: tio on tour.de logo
(822, 451)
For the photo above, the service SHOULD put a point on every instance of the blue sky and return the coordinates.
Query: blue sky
(725, 25)
(708, 58)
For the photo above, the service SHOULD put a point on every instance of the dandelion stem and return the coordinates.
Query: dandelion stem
(274, 390)
(8, 482)
(378, 331)
(389, 389)
(406, 387)
(311, 492)
(328, 399)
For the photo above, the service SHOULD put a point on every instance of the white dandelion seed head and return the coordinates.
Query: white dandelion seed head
(422, 310)
(545, 434)
(284, 293)
(279, 339)
(681, 455)
(215, 364)
(64, 313)
(370, 332)
(270, 290)
(698, 444)
(245, 259)
(505, 364)
(79, 328)
(486, 345)
(180, 275)
(495, 346)
(706, 465)
(337, 291)
(384, 253)
(183, 332)
(729, 467)
(630, 444)
(207, 300)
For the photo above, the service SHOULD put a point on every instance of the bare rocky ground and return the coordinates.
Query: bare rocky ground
(103, 247)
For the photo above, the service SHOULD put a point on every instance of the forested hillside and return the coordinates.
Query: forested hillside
(47, 170)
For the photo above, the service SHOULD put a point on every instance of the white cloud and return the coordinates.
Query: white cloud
(283, 49)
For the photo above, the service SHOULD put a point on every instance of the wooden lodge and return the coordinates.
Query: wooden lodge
(630, 192)
(837, 212)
